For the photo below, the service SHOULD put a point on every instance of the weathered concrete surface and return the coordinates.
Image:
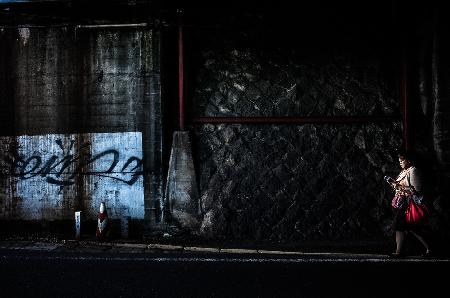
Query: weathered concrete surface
(81, 86)
(181, 189)
(49, 177)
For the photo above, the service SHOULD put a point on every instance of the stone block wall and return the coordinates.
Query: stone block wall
(291, 182)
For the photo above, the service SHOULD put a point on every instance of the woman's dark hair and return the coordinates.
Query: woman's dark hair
(406, 154)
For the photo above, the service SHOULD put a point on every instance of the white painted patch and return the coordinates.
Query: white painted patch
(121, 198)
(24, 34)
(77, 224)
(52, 173)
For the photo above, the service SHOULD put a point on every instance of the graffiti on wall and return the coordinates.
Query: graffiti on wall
(59, 165)
(41, 172)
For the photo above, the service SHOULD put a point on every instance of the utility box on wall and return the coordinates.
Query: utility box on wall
(81, 122)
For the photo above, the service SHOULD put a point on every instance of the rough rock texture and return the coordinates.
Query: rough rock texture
(310, 182)
(238, 82)
(292, 182)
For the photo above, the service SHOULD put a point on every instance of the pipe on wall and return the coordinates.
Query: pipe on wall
(296, 120)
(180, 73)
(404, 101)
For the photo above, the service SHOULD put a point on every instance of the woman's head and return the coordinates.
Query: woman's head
(405, 158)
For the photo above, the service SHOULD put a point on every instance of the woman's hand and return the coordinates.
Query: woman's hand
(405, 190)
(394, 185)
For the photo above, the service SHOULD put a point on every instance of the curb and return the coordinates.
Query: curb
(93, 246)
(44, 246)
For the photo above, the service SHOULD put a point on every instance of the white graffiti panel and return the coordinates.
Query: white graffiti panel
(51, 176)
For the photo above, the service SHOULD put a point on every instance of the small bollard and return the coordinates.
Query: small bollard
(77, 225)
(103, 223)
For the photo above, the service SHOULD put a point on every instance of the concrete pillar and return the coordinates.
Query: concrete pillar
(182, 195)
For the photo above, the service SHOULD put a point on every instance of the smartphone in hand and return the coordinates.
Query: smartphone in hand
(389, 180)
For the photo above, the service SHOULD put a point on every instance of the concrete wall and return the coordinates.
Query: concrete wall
(81, 122)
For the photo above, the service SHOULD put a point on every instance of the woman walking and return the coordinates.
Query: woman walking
(408, 186)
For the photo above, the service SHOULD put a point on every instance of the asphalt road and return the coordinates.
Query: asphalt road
(43, 274)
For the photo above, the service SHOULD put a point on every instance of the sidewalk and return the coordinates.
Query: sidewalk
(118, 248)
(121, 268)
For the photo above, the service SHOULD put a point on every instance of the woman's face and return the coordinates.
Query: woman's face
(404, 163)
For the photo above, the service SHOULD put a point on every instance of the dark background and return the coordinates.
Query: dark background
(289, 183)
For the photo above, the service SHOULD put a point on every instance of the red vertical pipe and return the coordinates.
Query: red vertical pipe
(180, 75)
(399, 21)
(404, 101)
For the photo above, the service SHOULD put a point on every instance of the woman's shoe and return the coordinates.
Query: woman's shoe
(427, 254)
(397, 255)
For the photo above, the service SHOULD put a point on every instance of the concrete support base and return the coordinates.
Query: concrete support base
(181, 194)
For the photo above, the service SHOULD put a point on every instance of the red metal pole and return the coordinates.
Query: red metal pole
(296, 120)
(404, 102)
(180, 74)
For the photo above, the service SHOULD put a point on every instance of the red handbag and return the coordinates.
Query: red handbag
(398, 200)
(416, 214)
